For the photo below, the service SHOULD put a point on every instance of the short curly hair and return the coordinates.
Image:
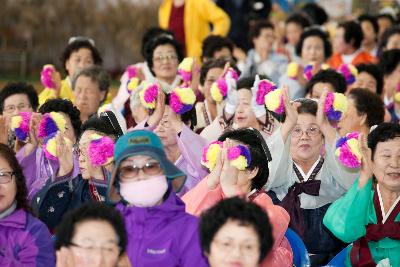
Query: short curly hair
(370, 104)
(75, 46)
(22, 192)
(236, 210)
(315, 32)
(328, 76)
(64, 106)
(14, 88)
(86, 213)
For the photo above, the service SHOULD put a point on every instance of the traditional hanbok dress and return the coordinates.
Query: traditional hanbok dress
(359, 217)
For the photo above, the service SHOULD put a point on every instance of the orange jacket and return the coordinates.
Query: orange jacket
(363, 57)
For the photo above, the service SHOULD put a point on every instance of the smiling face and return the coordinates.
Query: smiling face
(165, 62)
(78, 60)
(244, 115)
(305, 146)
(8, 190)
(312, 50)
(386, 164)
(234, 245)
(95, 244)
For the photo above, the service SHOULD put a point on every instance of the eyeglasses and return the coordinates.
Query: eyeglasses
(310, 132)
(161, 58)
(20, 107)
(131, 171)
(228, 246)
(6, 177)
(109, 251)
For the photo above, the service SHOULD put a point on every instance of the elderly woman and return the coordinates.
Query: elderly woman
(181, 144)
(227, 181)
(86, 230)
(24, 239)
(160, 232)
(365, 109)
(305, 175)
(38, 168)
(369, 214)
(231, 224)
(67, 190)
(241, 111)
(313, 48)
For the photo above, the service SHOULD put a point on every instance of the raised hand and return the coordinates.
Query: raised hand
(327, 130)
(64, 154)
(65, 258)
(229, 174)
(366, 171)
(259, 110)
(158, 112)
(291, 114)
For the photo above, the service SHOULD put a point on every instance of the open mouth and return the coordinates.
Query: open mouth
(394, 175)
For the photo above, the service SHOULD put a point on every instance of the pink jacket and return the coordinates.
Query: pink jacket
(201, 198)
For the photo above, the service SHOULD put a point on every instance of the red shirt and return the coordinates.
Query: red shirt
(176, 25)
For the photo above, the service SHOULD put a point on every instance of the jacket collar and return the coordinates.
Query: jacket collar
(16, 219)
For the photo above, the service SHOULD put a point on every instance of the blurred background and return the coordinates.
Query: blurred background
(34, 32)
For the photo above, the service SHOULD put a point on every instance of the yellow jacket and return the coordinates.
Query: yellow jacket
(198, 15)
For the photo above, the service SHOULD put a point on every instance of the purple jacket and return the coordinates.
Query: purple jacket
(163, 235)
(25, 241)
(37, 169)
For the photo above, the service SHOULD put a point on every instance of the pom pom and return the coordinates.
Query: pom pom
(210, 154)
(292, 70)
(239, 157)
(233, 74)
(335, 106)
(100, 150)
(133, 83)
(50, 146)
(185, 69)
(181, 100)
(219, 90)
(46, 76)
(131, 71)
(310, 70)
(274, 101)
(397, 94)
(148, 95)
(349, 73)
(264, 87)
(50, 124)
(20, 125)
(348, 150)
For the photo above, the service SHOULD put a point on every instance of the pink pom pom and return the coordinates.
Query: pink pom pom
(223, 87)
(101, 151)
(234, 152)
(131, 71)
(233, 73)
(151, 93)
(46, 77)
(264, 87)
(175, 103)
(347, 158)
(330, 97)
(186, 75)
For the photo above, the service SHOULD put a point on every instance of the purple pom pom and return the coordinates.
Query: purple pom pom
(47, 126)
(175, 103)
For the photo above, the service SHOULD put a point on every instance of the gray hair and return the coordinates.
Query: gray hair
(96, 74)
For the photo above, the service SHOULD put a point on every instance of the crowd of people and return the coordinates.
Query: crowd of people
(191, 163)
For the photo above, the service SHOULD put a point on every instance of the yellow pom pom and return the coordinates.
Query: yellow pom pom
(397, 97)
(273, 99)
(355, 147)
(144, 86)
(186, 64)
(337, 152)
(59, 120)
(324, 66)
(353, 69)
(51, 147)
(186, 95)
(292, 70)
(133, 83)
(340, 102)
(16, 121)
(95, 136)
(211, 156)
(215, 93)
(240, 163)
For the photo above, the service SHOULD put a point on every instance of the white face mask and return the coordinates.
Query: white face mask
(144, 193)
